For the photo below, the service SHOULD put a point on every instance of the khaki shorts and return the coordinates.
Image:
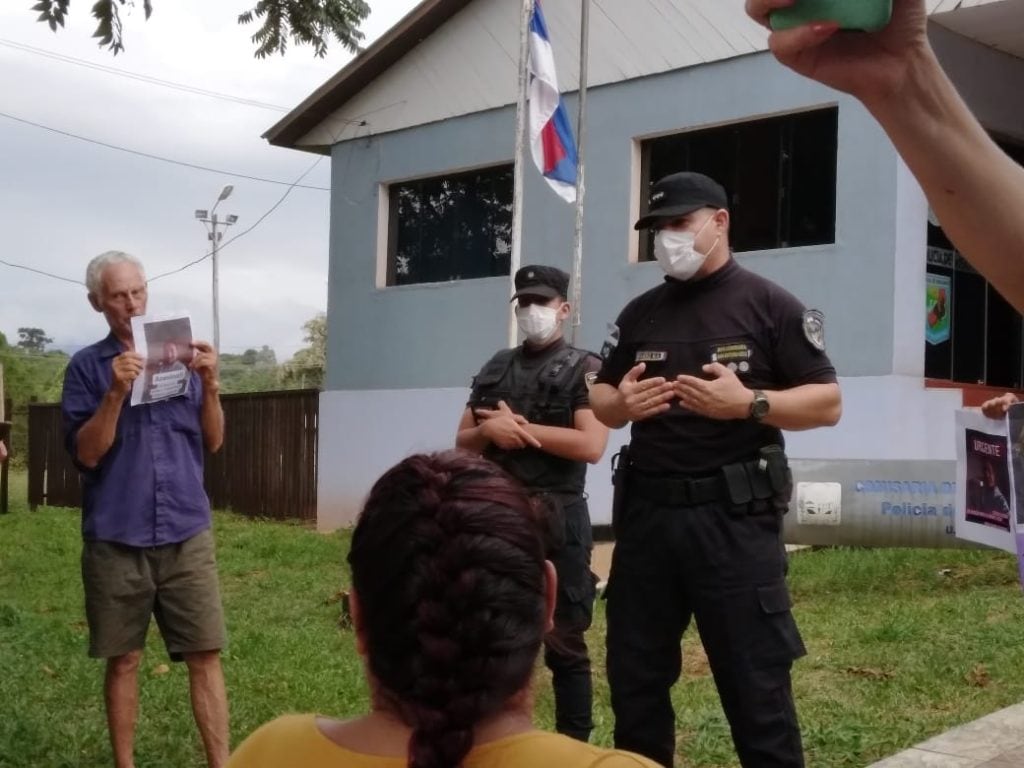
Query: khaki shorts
(177, 583)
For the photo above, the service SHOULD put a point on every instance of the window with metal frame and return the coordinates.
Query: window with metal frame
(779, 173)
(453, 227)
(972, 334)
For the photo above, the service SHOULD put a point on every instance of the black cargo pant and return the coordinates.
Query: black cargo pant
(724, 566)
(565, 650)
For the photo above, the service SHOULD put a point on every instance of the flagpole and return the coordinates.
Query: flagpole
(581, 189)
(517, 172)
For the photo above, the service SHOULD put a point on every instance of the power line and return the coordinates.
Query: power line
(244, 232)
(140, 77)
(208, 254)
(166, 83)
(41, 272)
(194, 166)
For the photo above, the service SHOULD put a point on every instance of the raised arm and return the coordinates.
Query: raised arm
(975, 189)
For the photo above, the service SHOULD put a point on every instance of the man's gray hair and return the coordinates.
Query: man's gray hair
(94, 272)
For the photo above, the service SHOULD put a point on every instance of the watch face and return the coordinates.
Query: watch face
(759, 408)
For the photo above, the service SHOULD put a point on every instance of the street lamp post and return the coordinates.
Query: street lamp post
(214, 236)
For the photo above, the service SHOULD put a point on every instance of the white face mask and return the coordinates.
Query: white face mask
(537, 322)
(676, 253)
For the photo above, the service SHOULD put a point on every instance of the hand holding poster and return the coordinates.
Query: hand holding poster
(166, 347)
(990, 481)
(1015, 428)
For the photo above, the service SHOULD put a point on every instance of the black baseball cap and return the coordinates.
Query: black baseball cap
(678, 194)
(538, 280)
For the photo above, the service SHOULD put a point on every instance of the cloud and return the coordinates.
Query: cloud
(63, 200)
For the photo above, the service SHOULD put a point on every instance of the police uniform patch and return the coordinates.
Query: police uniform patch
(733, 355)
(611, 342)
(814, 328)
(651, 356)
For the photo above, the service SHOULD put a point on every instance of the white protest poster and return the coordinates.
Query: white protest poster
(165, 344)
(1015, 430)
(983, 513)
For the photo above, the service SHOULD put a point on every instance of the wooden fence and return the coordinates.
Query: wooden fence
(266, 468)
(52, 478)
(5, 438)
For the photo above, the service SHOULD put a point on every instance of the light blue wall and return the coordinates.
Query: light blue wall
(438, 335)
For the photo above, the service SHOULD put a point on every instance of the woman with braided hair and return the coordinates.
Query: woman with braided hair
(451, 599)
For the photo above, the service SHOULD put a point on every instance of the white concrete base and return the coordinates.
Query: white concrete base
(363, 433)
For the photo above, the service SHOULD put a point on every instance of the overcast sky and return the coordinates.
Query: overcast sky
(62, 201)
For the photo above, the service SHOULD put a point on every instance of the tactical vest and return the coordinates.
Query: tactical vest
(545, 396)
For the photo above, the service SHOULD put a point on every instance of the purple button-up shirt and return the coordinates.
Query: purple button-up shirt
(148, 488)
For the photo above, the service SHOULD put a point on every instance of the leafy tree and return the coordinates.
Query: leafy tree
(306, 22)
(33, 339)
(453, 228)
(263, 356)
(252, 371)
(29, 377)
(308, 366)
(266, 356)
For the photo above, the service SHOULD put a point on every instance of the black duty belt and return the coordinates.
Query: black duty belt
(739, 482)
(677, 491)
(562, 494)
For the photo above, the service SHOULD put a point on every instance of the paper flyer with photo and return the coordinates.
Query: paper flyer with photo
(983, 499)
(1015, 430)
(166, 346)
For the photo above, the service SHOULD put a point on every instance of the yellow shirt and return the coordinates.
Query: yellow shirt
(295, 740)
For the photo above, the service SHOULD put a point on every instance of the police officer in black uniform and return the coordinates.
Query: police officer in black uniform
(529, 412)
(709, 367)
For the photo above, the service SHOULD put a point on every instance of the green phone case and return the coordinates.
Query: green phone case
(866, 15)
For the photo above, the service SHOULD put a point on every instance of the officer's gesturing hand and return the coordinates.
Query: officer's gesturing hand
(722, 397)
(126, 367)
(505, 428)
(643, 398)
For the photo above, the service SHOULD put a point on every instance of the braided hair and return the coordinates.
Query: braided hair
(448, 562)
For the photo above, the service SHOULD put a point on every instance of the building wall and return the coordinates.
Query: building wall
(888, 419)
(400, 359)
(437, 335)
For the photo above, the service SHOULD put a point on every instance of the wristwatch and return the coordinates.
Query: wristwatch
(759, 405)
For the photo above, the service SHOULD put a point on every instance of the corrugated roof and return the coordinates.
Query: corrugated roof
(456, 57)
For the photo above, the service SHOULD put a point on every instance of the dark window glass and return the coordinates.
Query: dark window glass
(1002, 343)
(780, 174)
(456, 227)
(969, 290)
(985, 343)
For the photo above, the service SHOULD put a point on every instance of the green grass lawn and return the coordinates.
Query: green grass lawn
(902, 645)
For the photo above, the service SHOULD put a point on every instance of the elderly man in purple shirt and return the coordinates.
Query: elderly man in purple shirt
(148, 549)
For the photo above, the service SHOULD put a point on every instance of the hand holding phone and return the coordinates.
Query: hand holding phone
(865, 15)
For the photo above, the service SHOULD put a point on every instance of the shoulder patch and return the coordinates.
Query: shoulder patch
(814, 328)
(610, 343)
